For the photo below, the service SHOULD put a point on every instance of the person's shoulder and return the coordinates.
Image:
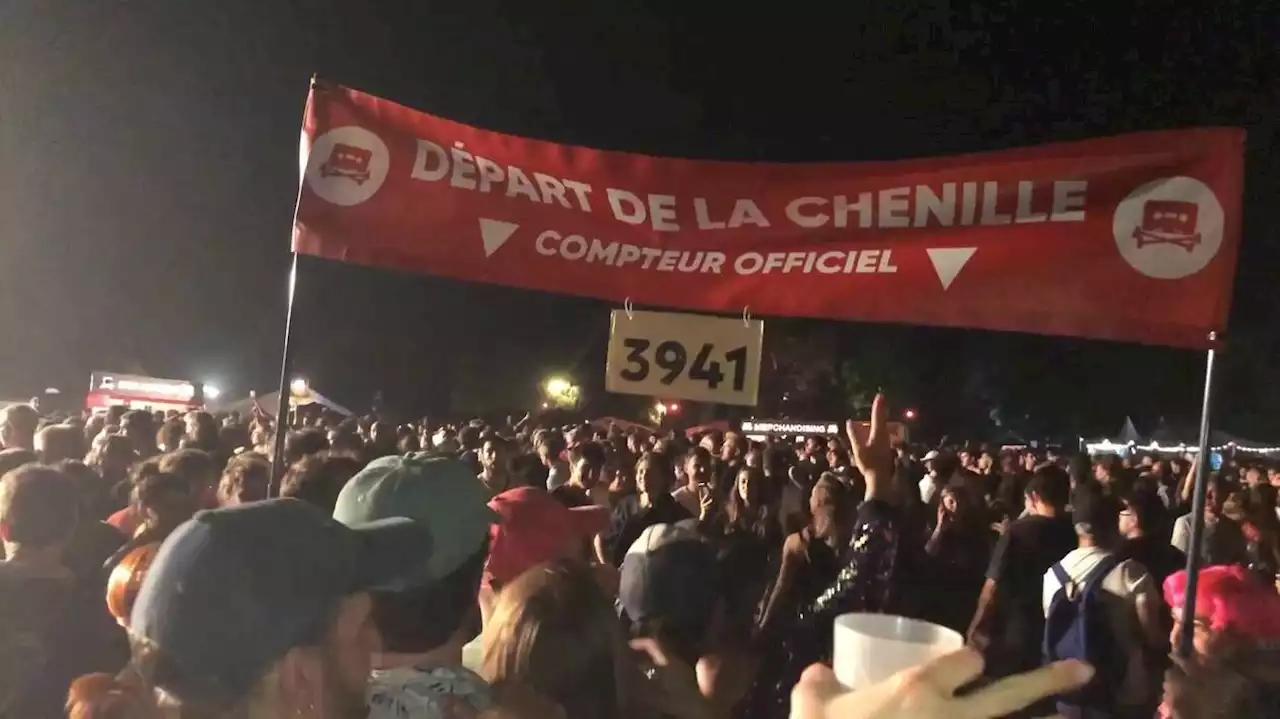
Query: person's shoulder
(1132, 576)
(566, 492)
(1023, 529)
(427, 693)
(1171, 554)
(877, 512)
(1029, 523)
(1054, 531)
(1079, 554)
(36, 604)
(1131, 568)
(100, 536)
(19, 578)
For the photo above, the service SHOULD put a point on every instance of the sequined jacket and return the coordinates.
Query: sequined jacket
(864, 581)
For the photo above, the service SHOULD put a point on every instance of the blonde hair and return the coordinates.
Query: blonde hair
(554, 631)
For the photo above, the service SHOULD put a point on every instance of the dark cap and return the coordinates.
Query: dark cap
(670, 574)
(232, 590)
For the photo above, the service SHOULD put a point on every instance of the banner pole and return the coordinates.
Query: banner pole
(286, 357)
(286, 369)
(1184, 647)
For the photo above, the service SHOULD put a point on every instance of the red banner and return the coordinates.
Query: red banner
(1125, 238)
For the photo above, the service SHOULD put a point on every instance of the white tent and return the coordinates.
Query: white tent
(1129, 433)
(271, 401)
(1170, 440)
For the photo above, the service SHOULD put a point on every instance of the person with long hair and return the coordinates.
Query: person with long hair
(552, 630)
(866, 579)
(748, 536)
(809, 556)
(957, 548)
(126, 579)
(748, 509)
(810, 560)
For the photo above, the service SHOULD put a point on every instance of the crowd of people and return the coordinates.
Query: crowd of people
(581, 572)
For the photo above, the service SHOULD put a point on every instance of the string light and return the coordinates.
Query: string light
(1109, 447)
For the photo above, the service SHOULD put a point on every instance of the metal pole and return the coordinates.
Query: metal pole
(286, 369)
(1184, 647)
(286, 360)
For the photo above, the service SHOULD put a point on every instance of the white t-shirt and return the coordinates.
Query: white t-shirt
(1124, 587)
(688, 498)
(557, 475)
(473, 654)
(928, 486)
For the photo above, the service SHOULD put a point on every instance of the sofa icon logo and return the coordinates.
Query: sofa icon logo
(347, 161)
(1170, 228)
(347, 165)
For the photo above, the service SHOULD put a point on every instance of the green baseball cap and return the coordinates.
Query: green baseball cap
(439, 492)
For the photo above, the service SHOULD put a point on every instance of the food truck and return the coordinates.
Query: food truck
(111, 389)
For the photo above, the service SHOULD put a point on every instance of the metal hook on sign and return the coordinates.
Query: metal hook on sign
(746, 316)
(626, 307)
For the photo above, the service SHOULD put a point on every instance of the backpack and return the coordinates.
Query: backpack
(1077, 627)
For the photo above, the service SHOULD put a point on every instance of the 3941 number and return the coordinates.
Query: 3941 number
(672, 360)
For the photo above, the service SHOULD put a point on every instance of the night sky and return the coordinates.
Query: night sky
(148, 171)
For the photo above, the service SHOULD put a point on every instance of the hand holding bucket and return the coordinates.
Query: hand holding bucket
(872, 647)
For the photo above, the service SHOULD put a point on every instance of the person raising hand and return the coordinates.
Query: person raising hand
(872, 454)
(862, 584)
(865, 578)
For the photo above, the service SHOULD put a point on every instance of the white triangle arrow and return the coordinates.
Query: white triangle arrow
(948, 261)
(495, 233)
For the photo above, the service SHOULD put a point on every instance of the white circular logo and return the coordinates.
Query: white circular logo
(1170, 228)
(347, 165)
